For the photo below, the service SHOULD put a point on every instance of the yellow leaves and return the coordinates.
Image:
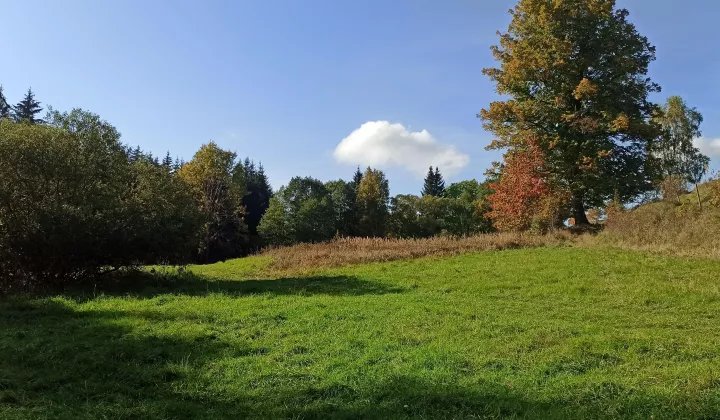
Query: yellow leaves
(553, 143)
(620, 123)
(586, 163)
(585, 90)
(604, 154)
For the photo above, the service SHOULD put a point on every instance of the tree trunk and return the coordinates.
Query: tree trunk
(697, 191)
(578, 210)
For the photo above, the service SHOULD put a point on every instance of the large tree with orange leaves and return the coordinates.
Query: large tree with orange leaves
(575, 74)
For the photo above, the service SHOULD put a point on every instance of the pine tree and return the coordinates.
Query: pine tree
(27, 109)
(167, 161)
(357, 178)
(434, 184)
(177, 165)
(439, 184)
(4, 106)
(258, 192)
(429, 182)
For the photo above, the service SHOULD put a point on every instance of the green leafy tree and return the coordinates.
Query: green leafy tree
(343, 195)
(73, 206)
(404, 217)
(372, 204)
(680, 160)
(575, 74)
(27, 109)
(5, 109)
(302, 211)
(434, 184)
(276, 227)
(219, 197)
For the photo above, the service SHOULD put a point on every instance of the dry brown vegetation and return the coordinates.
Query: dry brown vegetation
(669, 227)
(348, 251)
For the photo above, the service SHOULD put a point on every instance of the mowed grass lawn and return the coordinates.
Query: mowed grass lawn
(535, 333)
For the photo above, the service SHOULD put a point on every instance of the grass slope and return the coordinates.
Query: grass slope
(537, 333)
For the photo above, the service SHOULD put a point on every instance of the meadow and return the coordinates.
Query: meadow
(553, 332)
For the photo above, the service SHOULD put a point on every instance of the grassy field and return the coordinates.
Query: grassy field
(534, 333)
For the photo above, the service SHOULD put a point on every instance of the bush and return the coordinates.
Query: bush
(72, 206)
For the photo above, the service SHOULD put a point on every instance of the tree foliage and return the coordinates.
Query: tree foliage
(434, 183)
(518, 195)
(575, 72)
(372, 203)
(28, 109)
(302, 211)
(218, 193)
(5, 109)
(258, 192)
(72, 205)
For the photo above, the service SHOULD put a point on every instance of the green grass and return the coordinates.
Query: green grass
(539, 333)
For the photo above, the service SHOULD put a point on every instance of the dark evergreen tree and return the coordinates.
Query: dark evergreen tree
(167, 161)
(5, 110)
(177, 165)
(434, 184)
(258, 192)
(27, 109)
(357, 177)
(354, 229)
(439, 183)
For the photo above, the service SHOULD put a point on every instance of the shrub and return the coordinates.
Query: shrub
(72, 206)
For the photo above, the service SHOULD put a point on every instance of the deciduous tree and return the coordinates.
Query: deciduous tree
(372, 203)
(575, 74)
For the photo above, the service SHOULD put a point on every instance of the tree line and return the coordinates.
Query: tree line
(77, 203)
(577, 128)
(308, 210)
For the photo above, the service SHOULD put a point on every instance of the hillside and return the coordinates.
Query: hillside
(534, 333)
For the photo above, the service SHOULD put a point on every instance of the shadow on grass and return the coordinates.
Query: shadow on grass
(57, 362)
(148, 285)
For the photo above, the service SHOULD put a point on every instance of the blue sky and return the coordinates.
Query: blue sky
(285, 81)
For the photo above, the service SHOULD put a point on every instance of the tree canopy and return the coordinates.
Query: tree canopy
(575, 74)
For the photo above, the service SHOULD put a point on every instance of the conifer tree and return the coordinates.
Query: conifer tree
(4, 106)
(258, 192)
(439, 183)
(167, 161)
(434, 184)
(27, 109)
(357, 178)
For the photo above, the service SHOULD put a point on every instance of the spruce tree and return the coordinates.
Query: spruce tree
(258, 193)
(176, 165)
(357, 178)
(439, 184)
(434, 184)
(4, 106)
(429, 182)
(27, 109)
(167, 161)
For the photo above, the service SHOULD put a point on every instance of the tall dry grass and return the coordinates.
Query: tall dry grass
(347, 251)
(666, 228)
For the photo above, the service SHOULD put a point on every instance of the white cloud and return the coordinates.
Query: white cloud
(709, 147)
(382, 144)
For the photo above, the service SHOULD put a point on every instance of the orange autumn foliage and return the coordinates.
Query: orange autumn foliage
(522, 196)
